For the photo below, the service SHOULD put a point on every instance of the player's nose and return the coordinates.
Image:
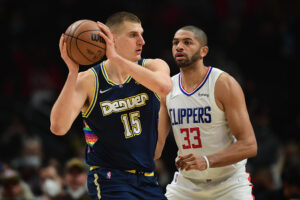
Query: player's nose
(179, 47)
(141, 41)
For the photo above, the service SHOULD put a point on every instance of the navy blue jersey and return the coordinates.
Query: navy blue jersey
(120, 125)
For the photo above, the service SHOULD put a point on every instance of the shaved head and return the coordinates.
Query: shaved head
(199, 34)
(115, 21)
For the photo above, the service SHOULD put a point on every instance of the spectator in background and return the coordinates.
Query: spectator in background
(13, 187)
(13, 138)
(264, 167)
(75, 180)
(29, 162)
(51, 184)
(290, 184)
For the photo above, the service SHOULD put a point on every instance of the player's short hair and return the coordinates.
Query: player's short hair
(200, 35)
(117, 19)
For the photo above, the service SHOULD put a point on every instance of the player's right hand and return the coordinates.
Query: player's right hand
(106, 34)
(191, 162)
(72, 66)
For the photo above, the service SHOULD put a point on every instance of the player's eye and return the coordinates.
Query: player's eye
(133, 35)
(187, 42)
(175, 42)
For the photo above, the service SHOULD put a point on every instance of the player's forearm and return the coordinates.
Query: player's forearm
(162, 136)
(157, 82)
(159, 148)
(60, 116)
(163, 132)
(235, 153)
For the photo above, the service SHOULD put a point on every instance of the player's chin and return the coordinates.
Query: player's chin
(179, 62)
(138, 57)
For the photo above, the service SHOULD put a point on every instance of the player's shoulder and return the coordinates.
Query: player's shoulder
(227, 87)
(150, 62)
(86, 73)
(226, 80)
(86, 77)
(175, 77)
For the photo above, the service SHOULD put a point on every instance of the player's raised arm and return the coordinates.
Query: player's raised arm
(156, 73)
(163, 128)
(72, 97)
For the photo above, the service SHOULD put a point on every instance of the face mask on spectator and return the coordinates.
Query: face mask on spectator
(31, 161)
(75, 194)
(51, 187)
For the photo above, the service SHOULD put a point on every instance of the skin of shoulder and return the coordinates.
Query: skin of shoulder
(225, 87)
(156, 64)
(86, 83)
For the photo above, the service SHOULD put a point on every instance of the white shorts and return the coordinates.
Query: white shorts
(236, 187)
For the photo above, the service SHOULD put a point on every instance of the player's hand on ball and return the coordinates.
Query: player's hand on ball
(191, 161)
(109, 40)
(63, 52)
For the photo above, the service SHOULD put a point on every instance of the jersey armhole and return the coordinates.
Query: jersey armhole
(213, 93)
(143, 65)
(95, 96)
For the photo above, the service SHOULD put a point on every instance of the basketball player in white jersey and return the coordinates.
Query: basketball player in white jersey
(207, 111)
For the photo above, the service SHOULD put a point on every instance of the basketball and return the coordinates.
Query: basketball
(84, 45)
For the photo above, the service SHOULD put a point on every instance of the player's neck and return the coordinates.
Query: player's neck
(114, 73)
(192, 76)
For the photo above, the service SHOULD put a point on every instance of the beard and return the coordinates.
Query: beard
(188, 62)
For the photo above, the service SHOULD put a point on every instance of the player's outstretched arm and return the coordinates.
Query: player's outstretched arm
(163, 128)
(230, 98)
(72, 97)
(155, 75)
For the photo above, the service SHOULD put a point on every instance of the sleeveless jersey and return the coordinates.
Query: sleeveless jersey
(199, 126)
(120, 125)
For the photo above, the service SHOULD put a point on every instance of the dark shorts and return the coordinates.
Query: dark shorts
(116, 184)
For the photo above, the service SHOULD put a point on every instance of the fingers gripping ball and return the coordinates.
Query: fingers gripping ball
(84, 45)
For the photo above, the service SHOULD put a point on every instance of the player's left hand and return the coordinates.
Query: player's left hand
(191, 161)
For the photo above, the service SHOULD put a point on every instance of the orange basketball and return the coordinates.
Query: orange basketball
(84, 45)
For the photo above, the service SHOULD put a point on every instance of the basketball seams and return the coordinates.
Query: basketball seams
(89, 42)
(86, 41)
(82, 53)
(80, 31)
(72, 33)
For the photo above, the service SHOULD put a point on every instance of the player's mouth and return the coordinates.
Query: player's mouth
(180, 56)
(139, 51)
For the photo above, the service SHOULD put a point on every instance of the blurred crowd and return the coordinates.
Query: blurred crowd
(256, 41)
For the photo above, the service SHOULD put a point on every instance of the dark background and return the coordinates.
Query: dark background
(256, 41)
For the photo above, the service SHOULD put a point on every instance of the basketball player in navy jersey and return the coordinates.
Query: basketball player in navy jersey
(207, 112)
(119, 102)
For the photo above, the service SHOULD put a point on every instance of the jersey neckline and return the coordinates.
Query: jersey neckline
(199, 85)
(103, 69)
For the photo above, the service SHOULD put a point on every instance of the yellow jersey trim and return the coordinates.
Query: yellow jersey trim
(132, 171)
(103, 69)
(92, 105)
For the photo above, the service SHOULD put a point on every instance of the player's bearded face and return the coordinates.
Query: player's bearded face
(188, 61)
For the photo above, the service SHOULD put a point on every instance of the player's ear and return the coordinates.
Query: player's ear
(204, 51)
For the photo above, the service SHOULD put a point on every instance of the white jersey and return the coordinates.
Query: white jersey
(200, 126)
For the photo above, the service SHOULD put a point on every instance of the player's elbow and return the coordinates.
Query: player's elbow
(57, 129)
(166, 88)
(157, 155)
(252, 149)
